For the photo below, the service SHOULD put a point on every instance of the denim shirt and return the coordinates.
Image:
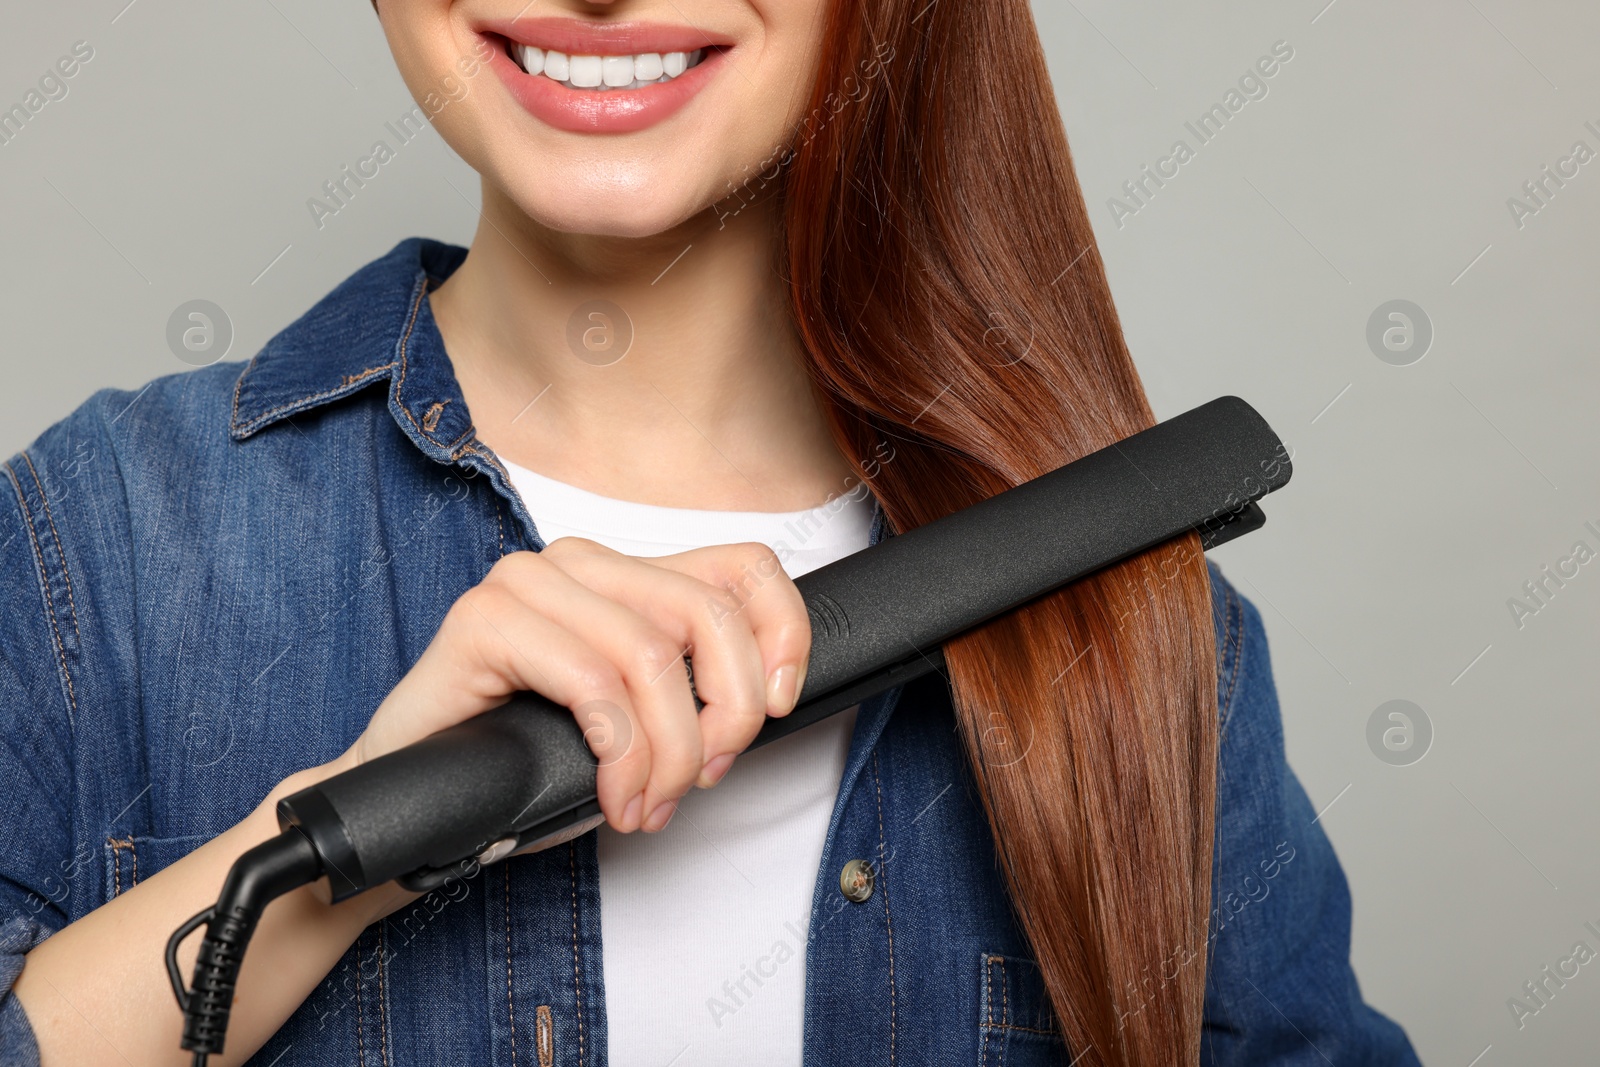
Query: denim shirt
(211, 583)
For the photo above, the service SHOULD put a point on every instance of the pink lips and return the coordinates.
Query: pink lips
(593, 111)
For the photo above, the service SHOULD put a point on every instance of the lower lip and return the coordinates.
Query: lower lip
(603, 111)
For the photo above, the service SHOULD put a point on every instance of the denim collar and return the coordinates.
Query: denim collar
(376, 326)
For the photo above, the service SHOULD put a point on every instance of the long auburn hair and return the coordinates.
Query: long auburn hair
(950, 297)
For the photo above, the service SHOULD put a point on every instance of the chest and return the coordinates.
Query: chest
(266, 632)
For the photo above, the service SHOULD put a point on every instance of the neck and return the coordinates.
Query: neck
(664, 369)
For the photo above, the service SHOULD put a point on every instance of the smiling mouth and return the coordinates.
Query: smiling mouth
(599, 73)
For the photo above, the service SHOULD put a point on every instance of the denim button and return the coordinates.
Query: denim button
(856, 880)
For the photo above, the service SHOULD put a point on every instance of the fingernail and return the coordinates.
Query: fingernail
(660, 816)
(782, 689)
(630, 814)
(714, 769)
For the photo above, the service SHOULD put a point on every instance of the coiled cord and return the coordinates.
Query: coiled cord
(258, 877)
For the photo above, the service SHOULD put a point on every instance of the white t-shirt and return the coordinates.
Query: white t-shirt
(704, 924)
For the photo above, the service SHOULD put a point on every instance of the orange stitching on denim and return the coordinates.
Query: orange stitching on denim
(577, 988)
(117, 847)
(988, 1010)
(405, 344)
(1005, 996)
(383, 995)
(361, 1015)
(545, 1034)
(405, 365)
(50, 602)
(351, 379)
(511, 1009)
(1005, 1022)
(238, 384)
(988, 988)
(61, 547)
(1235, 640)
(471, 446)
(883, 878)
(266, 416)
(430, 421)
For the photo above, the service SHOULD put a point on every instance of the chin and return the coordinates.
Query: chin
(623, 202)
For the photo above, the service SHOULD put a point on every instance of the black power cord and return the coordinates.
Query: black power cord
(258, 877)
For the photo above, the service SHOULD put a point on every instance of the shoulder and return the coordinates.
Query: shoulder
(1257, 793)
(1247, 697)
(78, 477)
(68, 515)
(174, 436)
(1228, 617)
(1279, 926)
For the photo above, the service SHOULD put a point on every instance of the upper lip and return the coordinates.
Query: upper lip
(581, 37)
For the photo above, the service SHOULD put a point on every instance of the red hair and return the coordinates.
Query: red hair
(947, 287)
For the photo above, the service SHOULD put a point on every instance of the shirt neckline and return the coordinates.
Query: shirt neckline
(845, 519)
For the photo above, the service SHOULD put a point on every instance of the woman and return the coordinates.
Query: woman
(757, 283)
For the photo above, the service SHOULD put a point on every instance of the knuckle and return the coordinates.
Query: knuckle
(732, 731)
(654, 653)
(518, 571)
(595, 676)
(514, 565)
(721, 604)
(758, 557)
(677, 762)
(482, 601)
(572, 547)
(800, 623)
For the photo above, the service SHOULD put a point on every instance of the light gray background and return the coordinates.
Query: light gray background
(1377, 167)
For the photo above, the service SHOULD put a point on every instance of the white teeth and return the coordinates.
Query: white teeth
(647, 68)
(616, 71)
(605, 72)
(584, 71)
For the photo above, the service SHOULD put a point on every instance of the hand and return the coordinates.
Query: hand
(606, 635)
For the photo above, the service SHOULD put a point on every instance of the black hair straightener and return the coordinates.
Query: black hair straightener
(521, 773)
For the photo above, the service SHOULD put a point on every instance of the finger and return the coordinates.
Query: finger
(492, 645)
(650, 661)
(769, 603)
(729, 674)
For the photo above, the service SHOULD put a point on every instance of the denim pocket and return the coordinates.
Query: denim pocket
(1015, 1024)
(130, 860)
